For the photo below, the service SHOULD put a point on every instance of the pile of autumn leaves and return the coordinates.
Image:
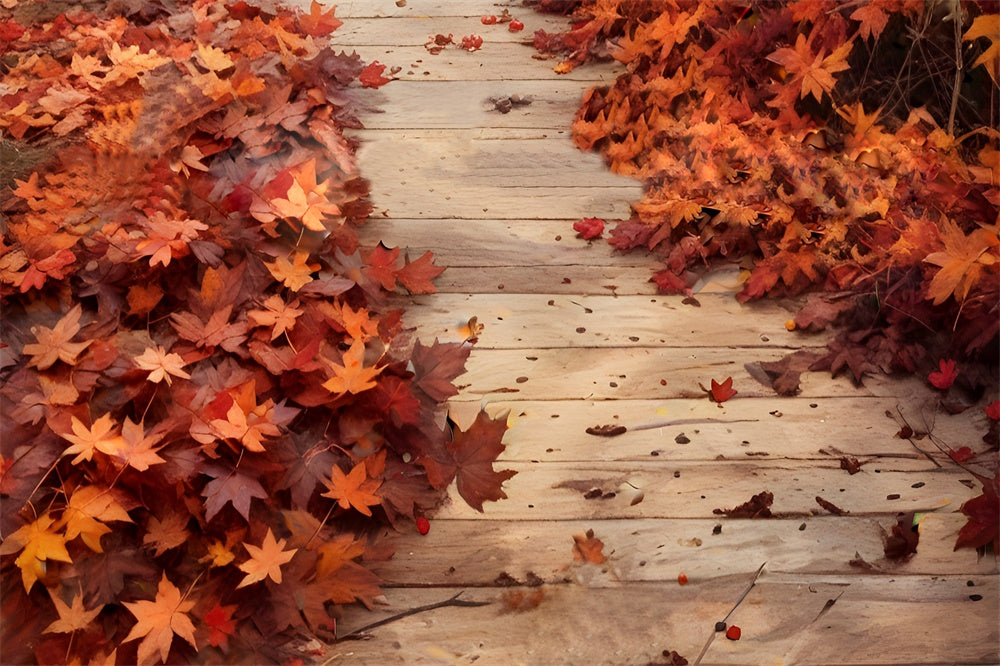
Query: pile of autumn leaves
(209, 411)
(748, 123)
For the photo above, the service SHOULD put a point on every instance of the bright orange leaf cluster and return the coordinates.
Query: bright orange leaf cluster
(752, 126)
(207, 407)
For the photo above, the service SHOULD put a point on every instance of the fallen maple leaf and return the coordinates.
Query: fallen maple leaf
(945, 376)
(982, 528)
(159, 620)
(589, 227)
(962, 262)
(318, 23)
(161, 365)
(354, 489)
(38, 542)
(815, 73)
(724, 391)
(54, 343)
(961, 455)
(100, 436)
(351, 375)
(371, 75)
(986, 25)
(74, 617)
(220, 623)
(588, 548)
(265, 561)
(468, 458)
(89, 507)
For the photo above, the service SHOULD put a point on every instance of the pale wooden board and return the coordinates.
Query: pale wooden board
(556, 491)
(383, 8)
(565, 280)
(501, 244)
(414, 29)
(822, 428)
(464, 158)
(640, 372)
(467, 105)
(549, 321)
(473, 554)
(439, 199)
(517, 61)
(878, 619)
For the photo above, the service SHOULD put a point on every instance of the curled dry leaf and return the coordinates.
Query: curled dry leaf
(607, 430)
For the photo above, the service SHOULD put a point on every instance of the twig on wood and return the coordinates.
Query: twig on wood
(732, 610)
(452, 601)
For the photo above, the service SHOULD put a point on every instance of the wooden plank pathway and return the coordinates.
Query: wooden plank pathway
(575, 336)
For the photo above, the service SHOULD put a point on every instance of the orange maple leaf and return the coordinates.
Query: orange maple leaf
(38, 542)
(354, 489)
(815, 73)
(168, 533)
(962, 262)
(987, 25)
(279, 315)
(873, 20)
(54, 343)
(72, 617)
(265, 561)
(159, 620)
(351, 375)
(161, 365)
(100, 436)
(724, 391)
(293, 274)
(86, 512)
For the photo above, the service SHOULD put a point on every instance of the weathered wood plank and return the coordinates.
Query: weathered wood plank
(873, 619)
(684, 489)
(644, 372)
(822, 429)
(385, 8)
(547, 321)
(464, 159)
(518, 61)
(565, 280)
(437, 199)
(414, 28)
(483, 243)
(474, 554)
(467, 105)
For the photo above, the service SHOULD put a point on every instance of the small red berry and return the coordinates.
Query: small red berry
(682, 579)
(488, 20)
(423, 525)
(733, 633)
(515, 26)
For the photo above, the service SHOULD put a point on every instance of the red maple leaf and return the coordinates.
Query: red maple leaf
(589, 227)
(724, 391)
(437, 365)
(993, 410)
(317, 23)
(468, 458)
(945, 376)
(982, 527)
(371, 75)
(961, 455)
(416, 275)
(221, 625)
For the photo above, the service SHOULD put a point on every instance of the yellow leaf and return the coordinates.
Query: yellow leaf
(38, 542)
(987, 25)
(88, 509)
(962, 262)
